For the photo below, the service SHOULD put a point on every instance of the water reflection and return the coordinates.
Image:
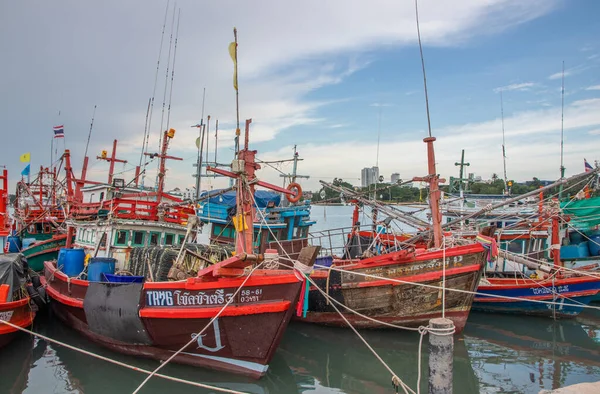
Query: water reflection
(334, 358)
(527, 354)
(497, 354)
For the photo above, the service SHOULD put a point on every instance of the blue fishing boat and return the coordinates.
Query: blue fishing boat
(560, 297)
(285, 228)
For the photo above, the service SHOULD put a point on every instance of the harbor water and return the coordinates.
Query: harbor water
(494, 354)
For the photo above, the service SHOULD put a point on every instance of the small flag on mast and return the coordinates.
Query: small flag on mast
(26, 170)
(588, 166)
(25, 157)
(233, 54)
(59, 131)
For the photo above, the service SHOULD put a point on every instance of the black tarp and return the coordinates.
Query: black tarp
(12, 272)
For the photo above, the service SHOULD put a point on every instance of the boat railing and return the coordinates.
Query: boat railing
(337, 242)
(135, 210)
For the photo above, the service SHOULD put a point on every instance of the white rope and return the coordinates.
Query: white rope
(122, 364)
(443, 277)
(195, 337)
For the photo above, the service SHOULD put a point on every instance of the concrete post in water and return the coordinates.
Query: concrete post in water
(441, 352)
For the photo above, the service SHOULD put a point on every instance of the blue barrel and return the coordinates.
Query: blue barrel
(14, 244)
(98, 266)
(124, 278)
(70, 261)
(594, 245)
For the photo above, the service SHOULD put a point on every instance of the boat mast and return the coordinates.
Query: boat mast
(432, 178)
(112, 160)
(562, 123)
(503, 144)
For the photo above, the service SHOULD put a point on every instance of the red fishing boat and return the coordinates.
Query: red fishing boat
(156, 319)
(414, 294)
(15, 304)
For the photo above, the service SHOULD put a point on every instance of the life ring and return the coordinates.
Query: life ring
(298, 192)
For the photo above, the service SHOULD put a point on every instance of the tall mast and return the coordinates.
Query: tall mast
(562, 124)
(503, 144)
(233, 52)
(166, 137)
(432, 178)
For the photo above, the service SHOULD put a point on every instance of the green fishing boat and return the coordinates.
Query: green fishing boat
(44, 250)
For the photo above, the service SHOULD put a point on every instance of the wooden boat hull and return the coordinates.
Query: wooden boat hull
(408, 304)
(18, 313)
(157, 318)
(571, 294)
(44, 251)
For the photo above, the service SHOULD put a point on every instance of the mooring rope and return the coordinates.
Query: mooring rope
(122, 364)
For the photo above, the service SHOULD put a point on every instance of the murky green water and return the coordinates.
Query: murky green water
(495, 354)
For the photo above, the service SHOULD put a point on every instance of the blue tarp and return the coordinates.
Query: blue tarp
(262, 198)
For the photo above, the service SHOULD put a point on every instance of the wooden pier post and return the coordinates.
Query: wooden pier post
(441, 353)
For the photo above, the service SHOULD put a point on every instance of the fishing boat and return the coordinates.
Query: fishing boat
(4, 216)
(245, 312)
(402, 287)
(39, 217)
(532, 281)
(15, 303)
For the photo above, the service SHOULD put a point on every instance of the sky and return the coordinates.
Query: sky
(331, 77)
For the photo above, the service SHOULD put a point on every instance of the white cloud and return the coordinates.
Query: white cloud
(595, 87)
(515, 86)
(532, 145)
(287, 50)
(570, 71)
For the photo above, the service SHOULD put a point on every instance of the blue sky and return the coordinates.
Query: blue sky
(312, 74)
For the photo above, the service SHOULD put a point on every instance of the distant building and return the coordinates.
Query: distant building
(395, 178)
(369, 176)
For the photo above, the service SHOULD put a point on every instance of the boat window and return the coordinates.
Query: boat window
(154, 238)
(101, 196)
(138, 238)
(514, 246)
(180, 240)
(121, 238)
(39, 228)
(89, 236)
(47, 229)
(169, 239)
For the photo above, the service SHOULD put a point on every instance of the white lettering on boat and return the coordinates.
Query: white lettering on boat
(550, 290)
(159, 298)
(6, 315)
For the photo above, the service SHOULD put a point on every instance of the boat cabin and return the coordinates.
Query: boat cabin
(116, 240)
(287, 226)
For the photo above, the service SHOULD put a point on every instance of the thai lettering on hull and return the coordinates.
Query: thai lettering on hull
(199, 298)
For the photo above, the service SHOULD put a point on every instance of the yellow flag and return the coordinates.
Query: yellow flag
(232, 53)
(25, 157)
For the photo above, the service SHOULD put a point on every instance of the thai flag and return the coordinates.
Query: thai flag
(588, 166)
(59, 131)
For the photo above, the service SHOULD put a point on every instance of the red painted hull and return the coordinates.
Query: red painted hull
(18, 313)
(406, 304)
(242, 340)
